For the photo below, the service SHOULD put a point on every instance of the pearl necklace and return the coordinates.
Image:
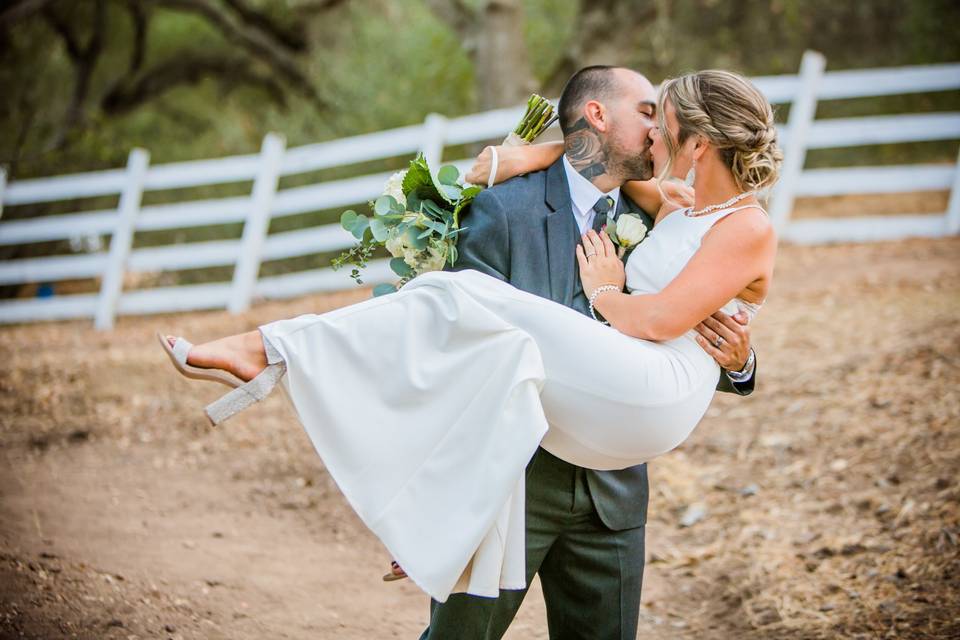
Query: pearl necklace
(716, 207)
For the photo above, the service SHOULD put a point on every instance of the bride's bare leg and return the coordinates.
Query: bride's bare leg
(241, 354)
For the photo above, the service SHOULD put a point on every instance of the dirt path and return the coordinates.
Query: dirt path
(829, 499)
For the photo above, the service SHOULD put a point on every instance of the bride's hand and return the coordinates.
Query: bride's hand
(678, 193)
(598, 261)
(480, 171)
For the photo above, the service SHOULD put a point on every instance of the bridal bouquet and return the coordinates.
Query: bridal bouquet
(417, 218)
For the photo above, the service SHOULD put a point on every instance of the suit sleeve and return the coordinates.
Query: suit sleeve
(485, 242)
(744, 388)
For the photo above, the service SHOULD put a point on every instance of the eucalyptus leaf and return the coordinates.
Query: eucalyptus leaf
(451, 192)
(401, 268)
(383, 289)
(386, 205)
(379, 229)
(347, 219)
(431, 207)
(360, 225)
(414, 239)
(414, 202)
(448, 175)
(435, 226)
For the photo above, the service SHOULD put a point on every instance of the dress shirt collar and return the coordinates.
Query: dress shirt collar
(583, 193)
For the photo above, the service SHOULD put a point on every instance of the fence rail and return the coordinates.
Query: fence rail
(266, 201)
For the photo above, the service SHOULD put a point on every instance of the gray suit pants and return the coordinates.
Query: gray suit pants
(591, 575)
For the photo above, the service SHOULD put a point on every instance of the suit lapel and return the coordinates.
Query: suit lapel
(561, 235)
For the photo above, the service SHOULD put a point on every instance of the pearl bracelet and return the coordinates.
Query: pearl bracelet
(593, 298)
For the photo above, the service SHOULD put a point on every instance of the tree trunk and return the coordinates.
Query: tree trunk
(504, 77)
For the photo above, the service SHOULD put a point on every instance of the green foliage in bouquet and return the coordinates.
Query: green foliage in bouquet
(417, 219)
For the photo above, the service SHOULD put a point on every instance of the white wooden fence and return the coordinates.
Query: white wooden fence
(802, 132)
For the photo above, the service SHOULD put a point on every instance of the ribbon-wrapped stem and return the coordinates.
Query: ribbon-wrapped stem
(539, 115)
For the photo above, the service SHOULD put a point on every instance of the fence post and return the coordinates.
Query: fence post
(803, 110)
(953, 206)
(3, 187)
(435, 129)
(257, 223)
(122, 239)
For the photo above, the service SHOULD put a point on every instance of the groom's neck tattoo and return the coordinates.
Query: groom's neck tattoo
(585, 150)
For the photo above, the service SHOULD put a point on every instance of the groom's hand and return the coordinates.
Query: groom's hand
(733, 335)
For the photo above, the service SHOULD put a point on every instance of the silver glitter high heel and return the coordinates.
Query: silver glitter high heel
(244, 394)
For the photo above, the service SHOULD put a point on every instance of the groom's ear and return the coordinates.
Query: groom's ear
(596, 114)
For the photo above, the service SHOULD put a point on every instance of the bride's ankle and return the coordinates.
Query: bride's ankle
(247, 357)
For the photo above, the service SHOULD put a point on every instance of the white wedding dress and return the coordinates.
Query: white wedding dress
(427, 404)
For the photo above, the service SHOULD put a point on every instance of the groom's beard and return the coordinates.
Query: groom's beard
(638, 167)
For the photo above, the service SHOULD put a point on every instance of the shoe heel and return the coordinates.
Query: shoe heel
(245, 395)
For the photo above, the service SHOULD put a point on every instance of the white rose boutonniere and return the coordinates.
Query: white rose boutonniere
(626, 232)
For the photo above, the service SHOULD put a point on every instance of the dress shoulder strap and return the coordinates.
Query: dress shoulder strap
(723, 214)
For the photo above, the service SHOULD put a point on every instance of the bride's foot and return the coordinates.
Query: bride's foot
(241, 355)
(237, 361)
(396, 572)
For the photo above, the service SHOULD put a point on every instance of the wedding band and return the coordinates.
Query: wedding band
(718, 342)
(590, 255)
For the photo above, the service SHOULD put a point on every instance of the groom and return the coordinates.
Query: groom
(584, 528)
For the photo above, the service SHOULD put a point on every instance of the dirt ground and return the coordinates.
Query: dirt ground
(823, 506)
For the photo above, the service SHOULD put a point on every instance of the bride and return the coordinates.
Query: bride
(426, 405)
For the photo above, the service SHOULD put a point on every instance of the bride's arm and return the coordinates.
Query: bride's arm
(513, 161)
(737, 252)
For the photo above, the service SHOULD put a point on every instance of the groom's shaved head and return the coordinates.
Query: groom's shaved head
(598, 82)
(606, 114)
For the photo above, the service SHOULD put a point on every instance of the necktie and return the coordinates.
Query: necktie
(603, 208)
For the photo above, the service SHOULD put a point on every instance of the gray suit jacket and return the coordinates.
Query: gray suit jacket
(523, 231)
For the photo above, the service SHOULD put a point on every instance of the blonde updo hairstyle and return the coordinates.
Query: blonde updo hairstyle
(732, 114)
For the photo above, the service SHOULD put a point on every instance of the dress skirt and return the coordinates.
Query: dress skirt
(426, 405)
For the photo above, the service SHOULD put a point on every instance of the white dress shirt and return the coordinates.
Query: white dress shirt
(583, 195)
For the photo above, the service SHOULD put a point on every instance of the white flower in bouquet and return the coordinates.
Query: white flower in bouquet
(399, 247)
(396, 245)
(432, 259)
(394, 187)
(412, 256)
